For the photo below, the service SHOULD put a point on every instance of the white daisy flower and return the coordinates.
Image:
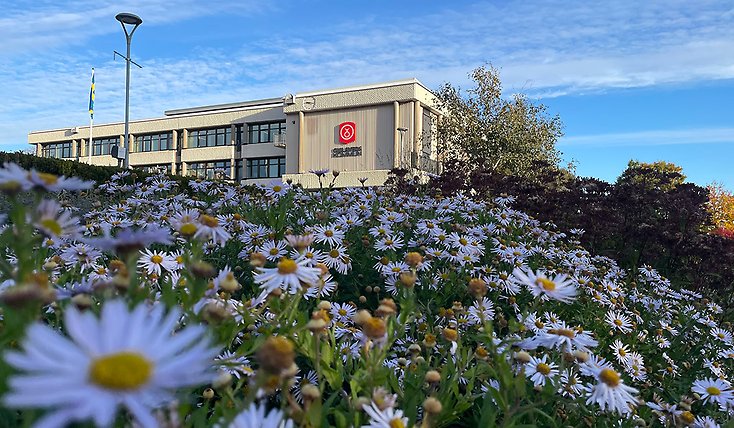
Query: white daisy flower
(124, 358)
(343, 312)
(560, 288)
(388, 418)
(539, 370)
(256, 417)
(714, 390)
(152, 261)
(618, 321)
(610, 392)
(289, 274)
(621, 351)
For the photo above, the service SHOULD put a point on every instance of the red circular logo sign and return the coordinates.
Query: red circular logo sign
(347, 132)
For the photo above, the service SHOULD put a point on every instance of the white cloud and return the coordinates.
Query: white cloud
(541, 48)
(652, 138)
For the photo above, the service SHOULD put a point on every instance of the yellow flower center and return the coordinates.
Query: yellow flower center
(712, 390)
(546, 283)
(287, 266)
(273, 251)
(543, 369)
(48, 178)
(397, 423)
(277, 189)
(334, 253)
(463, 241)
(121, 371)
(329, 233)
(610, 377)
(52, 225)
(342, 312)
(156, 259)
(566, 332)
(208, 220)
(188, 229)
(618, 322)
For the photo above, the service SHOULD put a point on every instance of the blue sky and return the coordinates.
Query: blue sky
(649, 80)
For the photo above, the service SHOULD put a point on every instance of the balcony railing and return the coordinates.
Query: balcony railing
(422, 162)
(279, 140)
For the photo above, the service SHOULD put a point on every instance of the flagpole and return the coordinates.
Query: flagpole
(89, 149)
(91, 119)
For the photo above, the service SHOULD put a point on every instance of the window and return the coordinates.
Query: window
(101, 146)
(56, 150)
(266, 167)
(210, 137)
(264, 132)
(155, 169)
(216, 169)
(152, 142)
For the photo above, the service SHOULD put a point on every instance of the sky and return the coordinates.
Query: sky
(644, 80)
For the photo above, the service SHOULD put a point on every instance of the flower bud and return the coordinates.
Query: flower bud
(310, 392)
(477, 288)
(223, 379)
(257, 260)
(208, 394)
(413, 259)
(82, 301)
(230, 284)
(361, 317)
(432, 406)
(276, 354)
(432, 376)
(522, 357)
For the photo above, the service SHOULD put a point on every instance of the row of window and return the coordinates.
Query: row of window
(57, 150)
(254, 168)
(152, 142)
(256, 134)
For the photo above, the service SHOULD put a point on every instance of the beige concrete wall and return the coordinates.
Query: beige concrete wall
(339, 98)
(150, 158)
(263, 150)
(345, 179)
(207, 154)
(374, 128)
(292, 133)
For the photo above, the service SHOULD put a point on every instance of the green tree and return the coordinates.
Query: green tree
(660, 175)
(484, 131)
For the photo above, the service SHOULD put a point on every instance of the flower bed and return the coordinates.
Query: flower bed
(273, 306)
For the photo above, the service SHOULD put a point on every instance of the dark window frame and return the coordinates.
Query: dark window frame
(58, 150)
(101, 146)
(256, 132)
(270, 167)
(208, 169)
(154, 142)
(210, 137)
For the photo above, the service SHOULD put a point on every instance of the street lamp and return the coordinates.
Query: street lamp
(135, 21)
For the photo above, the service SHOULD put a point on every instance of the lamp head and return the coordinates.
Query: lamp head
(128, 18)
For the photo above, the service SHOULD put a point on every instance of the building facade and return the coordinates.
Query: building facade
(361, 131)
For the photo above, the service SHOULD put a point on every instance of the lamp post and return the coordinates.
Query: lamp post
(135, 21)
(402, 131)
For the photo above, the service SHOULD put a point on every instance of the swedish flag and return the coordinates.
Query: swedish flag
(91, 98)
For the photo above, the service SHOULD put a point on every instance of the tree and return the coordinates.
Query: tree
(721, 207)
(484, 131)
